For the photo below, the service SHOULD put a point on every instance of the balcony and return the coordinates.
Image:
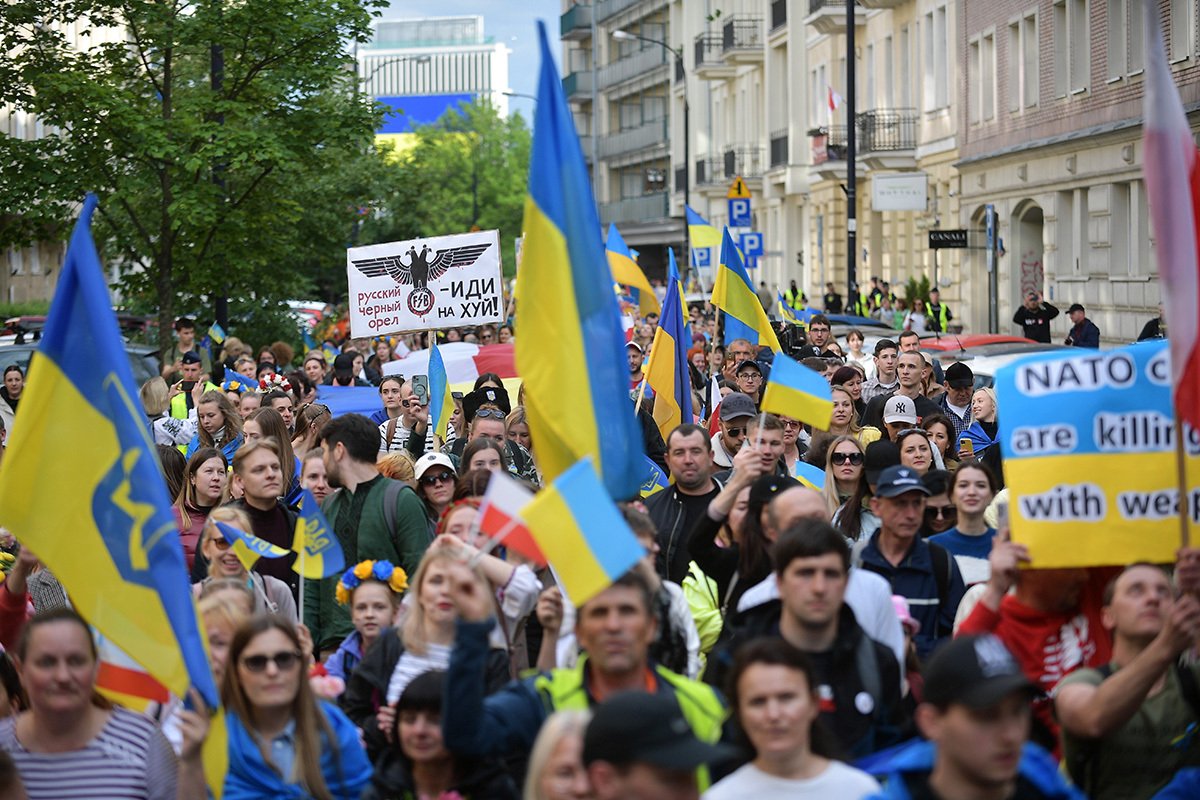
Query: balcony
(887, 138)
(608, 8)
(578, 86)
(829, 16)
(880, 3)
(710, 58)
(779, 149)
(643, 137)
(637, 65)
(576, 23)
(720, 170)
(778, 14)
(635, 209)
(742, 39)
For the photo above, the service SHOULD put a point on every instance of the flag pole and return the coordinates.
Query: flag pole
(1181, 477)
(637, 409)
(762, 420)
(302, 549)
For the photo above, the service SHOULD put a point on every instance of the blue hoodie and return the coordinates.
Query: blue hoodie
(1037, 774)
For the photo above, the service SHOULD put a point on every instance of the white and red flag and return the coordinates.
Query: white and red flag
(1171, 165)
(835, 102)
(500, 516)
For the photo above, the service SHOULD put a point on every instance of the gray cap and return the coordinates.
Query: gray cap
(737, 405)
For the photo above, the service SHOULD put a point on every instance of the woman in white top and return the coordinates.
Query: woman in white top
(915, 319)
(774, 700)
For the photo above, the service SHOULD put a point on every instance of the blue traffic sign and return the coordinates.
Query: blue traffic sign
(752, 245)
(739, 212)
(702, 256)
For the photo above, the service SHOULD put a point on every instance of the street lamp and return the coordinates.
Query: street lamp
(389, 62)
(626, 36)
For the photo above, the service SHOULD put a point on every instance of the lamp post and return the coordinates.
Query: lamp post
(626, 36)
(388, 62)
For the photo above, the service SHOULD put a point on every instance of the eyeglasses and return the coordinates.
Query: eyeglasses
(855, 459)
(790, 424)
(220, 542)
(945, 512)
(490, 413)
(819, 329)
(735, 432)
(441, 477)
(284, 661)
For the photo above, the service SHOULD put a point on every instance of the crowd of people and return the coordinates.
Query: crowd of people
(871, 632)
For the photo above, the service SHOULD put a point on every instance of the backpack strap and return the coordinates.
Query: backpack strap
(867, 664)
(390, 495)
(942, 571)
(391, 431)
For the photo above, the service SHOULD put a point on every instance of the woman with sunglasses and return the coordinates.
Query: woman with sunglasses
(271, 595)
(283, 743)
(436, 481)
(845, 473)
(970, 540)
(940, 513)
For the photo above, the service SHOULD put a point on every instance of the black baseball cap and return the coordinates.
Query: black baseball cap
(959, 376)
(637, 727)
(895, 481)
(748, 364)
(975, 671)
(190, 357)
(1074, 307)
(880, 455)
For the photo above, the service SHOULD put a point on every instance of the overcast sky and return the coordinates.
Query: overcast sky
(513, 22)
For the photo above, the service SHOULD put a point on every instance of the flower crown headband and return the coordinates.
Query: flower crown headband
(274, 381)
(390, 576)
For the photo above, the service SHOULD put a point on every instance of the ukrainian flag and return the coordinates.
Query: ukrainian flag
(248, 547)
(655, 480)
(583, 535)
(701, 232)
(667, 371)
(319, 553)
(786, 312)
(441, 402)
(810, 475)
(734, 294)
(81, 486)
(626, 272)
(673, 277)
(570, 349)
(795, 391)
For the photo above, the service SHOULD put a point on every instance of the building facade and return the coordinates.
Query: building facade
(1051, 119)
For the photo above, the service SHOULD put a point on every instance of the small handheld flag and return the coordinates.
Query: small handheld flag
(667, 369)
(796, 391)
(319, 553)
(626, 272)
(248, 547)
(500, 516)
(216, 333)
(656, 480)
(582, 533)
(441, 402)
(810, 475)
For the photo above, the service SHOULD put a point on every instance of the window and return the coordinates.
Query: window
(1071, 53)
(1030, 77)
(987, 76)
(1013, 79)
(1124, 38)
(941, 59)
(906, 88)
(869, 69)
(974, 81)
(1181, 29)
(889, 72)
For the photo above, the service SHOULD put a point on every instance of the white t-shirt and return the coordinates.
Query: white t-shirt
(838, 780)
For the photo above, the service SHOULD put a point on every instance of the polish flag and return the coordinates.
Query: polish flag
(1173, 187)
(500, 516)
(835, 101)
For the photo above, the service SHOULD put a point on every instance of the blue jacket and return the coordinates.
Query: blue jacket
(1037, 774)
(346, 658)
(914, 578)
(1085, 334)
(249, 776)
(1184, 786)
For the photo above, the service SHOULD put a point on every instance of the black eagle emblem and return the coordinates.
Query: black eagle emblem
(420, 269)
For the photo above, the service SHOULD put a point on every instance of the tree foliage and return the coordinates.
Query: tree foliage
(249, 189)
(470, 168)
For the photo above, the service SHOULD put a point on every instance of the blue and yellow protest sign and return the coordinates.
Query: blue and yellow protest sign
(1089, 456)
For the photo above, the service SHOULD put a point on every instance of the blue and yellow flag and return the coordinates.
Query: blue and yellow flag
(734, 294)
(80, 484)
(656, 480)
(701, 232)
(582, 533)
(810, 475)
(216, 333)
(570, 349)
(625, 271)
(673, 277)
(786, 312)
(320, 554)
(667, 371)
(248, 547)
(796, 391)
(441, 402)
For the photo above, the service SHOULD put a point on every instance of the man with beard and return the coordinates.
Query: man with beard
(676, 509)
(372, 516)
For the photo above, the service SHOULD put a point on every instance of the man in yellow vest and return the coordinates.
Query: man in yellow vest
(614, 629)
(939, 315)
(190, 367)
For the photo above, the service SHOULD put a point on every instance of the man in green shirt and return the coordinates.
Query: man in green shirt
(1128, 727)
(172, 370)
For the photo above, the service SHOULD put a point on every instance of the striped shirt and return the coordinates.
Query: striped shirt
(412, 665)
(129, 759)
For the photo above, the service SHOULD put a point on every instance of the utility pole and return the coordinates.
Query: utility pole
(851, 158)
(217, 81)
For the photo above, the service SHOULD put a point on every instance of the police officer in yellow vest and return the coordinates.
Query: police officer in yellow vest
(189, 367)
(795, 298)
(614, 629)
(939, 315)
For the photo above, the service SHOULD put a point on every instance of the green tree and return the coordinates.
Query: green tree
(470, 168)
(203, 190)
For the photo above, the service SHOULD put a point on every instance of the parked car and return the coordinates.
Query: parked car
(142, 358)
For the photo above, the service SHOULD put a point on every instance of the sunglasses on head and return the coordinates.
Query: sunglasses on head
(945, 512)
(855, 459)
(284, 661)
(490, 413)
(441, 477)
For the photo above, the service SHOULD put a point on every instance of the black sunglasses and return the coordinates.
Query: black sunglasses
(735, 432)
(855, 459)
(945, 512)
(430, 480)
(284, 661)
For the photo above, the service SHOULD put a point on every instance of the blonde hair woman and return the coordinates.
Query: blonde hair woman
(556, 770)
(271, 595)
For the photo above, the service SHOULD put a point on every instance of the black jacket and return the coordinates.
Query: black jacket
(861, 722)
(1036, 323)
(481, 779)
(366, 687)
(666, 511)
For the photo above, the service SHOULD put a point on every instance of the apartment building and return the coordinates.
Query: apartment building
(1050, 120)
(618, 70)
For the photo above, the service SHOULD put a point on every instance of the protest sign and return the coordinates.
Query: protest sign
(425, 284)
(1088, 440)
